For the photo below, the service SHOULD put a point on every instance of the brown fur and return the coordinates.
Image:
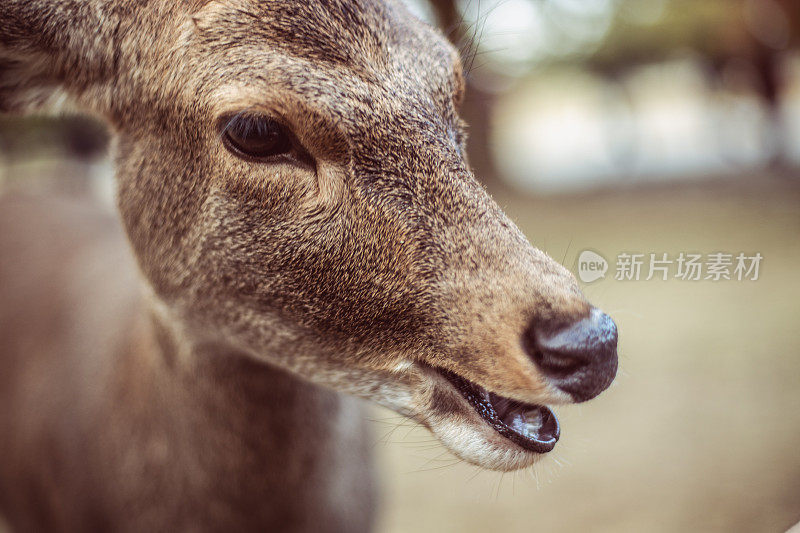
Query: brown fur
(205, 401)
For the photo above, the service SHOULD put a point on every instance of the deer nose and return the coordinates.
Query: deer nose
(581, 358)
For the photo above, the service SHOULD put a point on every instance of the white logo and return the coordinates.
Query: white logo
(591, 266)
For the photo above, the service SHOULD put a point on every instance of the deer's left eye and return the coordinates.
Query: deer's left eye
(256, 137)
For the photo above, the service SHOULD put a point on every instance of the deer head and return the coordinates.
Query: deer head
(293, 180)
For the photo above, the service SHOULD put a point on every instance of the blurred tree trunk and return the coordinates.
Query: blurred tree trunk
(478, 104)
(768, 64)
(450, 20)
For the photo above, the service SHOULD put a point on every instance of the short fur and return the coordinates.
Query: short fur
(203, 391)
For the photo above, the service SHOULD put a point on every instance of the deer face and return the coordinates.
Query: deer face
(292, 176)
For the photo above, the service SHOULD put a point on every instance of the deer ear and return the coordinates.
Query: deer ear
(49, 49)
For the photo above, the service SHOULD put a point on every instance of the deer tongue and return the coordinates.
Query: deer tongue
(535, 422)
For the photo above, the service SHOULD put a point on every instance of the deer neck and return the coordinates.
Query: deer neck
(224, 389)
(243, 432)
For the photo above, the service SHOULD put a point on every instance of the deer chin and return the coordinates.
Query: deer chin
(486, 429)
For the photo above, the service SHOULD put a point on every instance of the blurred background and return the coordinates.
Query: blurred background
(617, 126)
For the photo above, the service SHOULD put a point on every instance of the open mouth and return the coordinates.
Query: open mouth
(533, 427)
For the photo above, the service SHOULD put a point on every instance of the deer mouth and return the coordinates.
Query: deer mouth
(533, 427)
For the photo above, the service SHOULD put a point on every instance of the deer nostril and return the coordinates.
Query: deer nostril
(581, 358)
(556, 364)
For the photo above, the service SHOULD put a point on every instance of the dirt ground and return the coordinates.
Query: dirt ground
(700, 432)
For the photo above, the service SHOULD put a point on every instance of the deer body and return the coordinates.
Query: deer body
(109, 439)
(292, 184)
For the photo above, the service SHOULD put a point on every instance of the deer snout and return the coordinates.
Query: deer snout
(580, 358)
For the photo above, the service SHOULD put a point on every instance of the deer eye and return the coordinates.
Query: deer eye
(256, 137)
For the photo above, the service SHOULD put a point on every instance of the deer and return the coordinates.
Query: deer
(298, 230)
